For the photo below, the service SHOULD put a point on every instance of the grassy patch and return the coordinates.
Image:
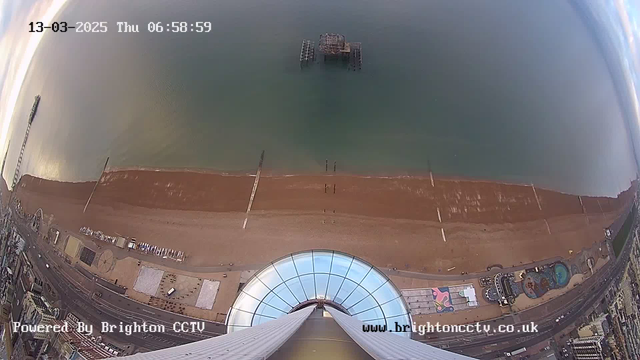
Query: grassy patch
(621, 237)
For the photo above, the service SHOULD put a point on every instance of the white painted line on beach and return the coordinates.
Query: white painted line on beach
(584, 211)
(439, 217)
(431, 176)
(244, 226)
(598, 201)
(536, 195)
(443, 237)
(548, 228)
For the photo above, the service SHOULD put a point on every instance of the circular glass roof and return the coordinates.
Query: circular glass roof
(356, 286)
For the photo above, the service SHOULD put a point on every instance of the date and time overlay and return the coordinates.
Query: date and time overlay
(121, 27)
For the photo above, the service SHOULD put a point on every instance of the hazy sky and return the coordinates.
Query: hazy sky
(628, 33)
(17, 47)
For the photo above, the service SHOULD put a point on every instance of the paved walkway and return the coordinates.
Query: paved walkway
(451, 277)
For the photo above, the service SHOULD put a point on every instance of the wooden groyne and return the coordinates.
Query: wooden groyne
(254, 190)
(104, 168)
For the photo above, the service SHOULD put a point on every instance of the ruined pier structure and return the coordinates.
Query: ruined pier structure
(333, 46)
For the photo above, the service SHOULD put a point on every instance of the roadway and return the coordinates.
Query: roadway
(75, 293)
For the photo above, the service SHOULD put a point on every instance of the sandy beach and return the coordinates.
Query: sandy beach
(391, 222)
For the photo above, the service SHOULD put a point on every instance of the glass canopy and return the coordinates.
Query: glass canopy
(358, 288)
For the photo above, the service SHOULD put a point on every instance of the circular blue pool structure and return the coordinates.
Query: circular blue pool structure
(562, 274)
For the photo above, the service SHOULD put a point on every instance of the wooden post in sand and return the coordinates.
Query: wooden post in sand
(96, 185)
(253, 191)
(334, 172)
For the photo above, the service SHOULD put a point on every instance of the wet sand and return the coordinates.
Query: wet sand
(388, 221)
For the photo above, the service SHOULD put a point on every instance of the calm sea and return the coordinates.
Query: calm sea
(504, 90)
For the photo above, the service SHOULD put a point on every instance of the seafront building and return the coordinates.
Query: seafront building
(72, 345)
(598, 326)
(625, 313)
(589, 348)
(624, 309)
(612, 332)
(35, 312)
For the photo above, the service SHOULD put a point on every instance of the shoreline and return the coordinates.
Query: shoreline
(272, 173)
